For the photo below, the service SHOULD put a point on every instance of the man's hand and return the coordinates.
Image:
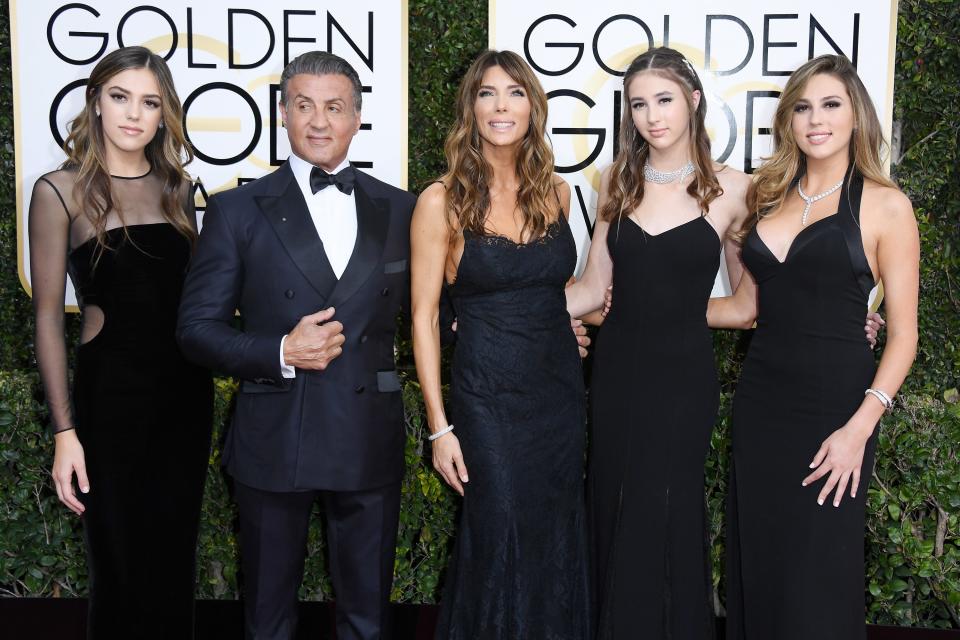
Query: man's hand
(581, 332)
(314, 342)
(872, 328)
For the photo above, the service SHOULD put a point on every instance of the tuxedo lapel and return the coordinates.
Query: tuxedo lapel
(287, 212)
(373, 221)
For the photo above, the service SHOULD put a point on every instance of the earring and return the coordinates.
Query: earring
(160, 126)
(97, 111)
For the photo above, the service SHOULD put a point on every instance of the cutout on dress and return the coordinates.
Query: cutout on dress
(93, 321)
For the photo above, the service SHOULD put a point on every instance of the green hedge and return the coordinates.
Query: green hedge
(913, 537)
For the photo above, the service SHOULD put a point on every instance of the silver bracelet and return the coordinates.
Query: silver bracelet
(444, 431)
(884, 399)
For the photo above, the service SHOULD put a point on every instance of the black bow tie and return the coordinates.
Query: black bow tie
(343, 180)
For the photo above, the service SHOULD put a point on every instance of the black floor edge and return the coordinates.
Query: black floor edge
(63, 619)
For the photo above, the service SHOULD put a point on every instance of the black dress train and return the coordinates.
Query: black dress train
(517, 399)
(795, 569)
(654, 398)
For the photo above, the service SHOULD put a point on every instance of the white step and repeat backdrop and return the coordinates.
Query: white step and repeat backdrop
(743, 51)
(226, 57)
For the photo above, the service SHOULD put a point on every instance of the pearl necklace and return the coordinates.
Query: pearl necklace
(665, 177)
(811, 199)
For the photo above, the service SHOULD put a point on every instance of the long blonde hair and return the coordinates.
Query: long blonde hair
(167, 152)
(773, 180)
(469, 174)
(626, 186)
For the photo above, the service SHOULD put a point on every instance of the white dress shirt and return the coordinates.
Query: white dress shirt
(334, 215)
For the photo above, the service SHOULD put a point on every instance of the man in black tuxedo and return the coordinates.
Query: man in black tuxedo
(315, 256)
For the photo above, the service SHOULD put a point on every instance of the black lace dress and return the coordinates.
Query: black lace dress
(519, 568)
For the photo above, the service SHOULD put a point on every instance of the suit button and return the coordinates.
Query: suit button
(359, 388)
(363, 339)
(385, 291)
(289, 293)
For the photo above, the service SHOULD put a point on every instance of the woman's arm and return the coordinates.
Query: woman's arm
(898, 263)
(49, 227)
(738, 311)
(429, 246)
(586, 295)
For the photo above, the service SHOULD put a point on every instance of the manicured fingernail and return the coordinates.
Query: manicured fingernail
(803, 484)
(465, 478)
(820, 501)
(811, 465)
(836, 504)
(85, 489)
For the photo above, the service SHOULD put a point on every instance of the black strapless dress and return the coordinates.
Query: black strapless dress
(795, 569)
(517, 399)
(654, 397)
(143, 415)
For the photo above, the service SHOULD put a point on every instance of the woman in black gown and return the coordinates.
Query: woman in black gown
(829, 224)
(494, 227)
(118, 217)
(664, 207)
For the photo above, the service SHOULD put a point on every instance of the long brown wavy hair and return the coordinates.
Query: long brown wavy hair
(780, 171)
(468, 173)
(167, 152)
(626, 186)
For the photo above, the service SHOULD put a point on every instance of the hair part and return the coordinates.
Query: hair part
(774, 179)
(626, 185)
(469, 174)
(167, 153)
(321, 63)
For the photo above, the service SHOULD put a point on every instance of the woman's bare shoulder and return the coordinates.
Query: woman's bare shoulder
(731, 179)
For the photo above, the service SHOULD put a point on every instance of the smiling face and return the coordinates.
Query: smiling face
(823, 118)
(320, 118)
(659, 110)
(501, 109)
(130, 111)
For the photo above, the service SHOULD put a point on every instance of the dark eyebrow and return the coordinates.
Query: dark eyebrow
(832, 98)
(122, 90)
(510, 86)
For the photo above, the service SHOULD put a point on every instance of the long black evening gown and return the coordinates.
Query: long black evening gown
(654, 398)
(517, 400)
(143, 414)
(795, 569)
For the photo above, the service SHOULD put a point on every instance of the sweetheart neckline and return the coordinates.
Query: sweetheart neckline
(763, 243)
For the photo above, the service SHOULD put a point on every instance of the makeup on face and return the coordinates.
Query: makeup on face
(501, 108)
